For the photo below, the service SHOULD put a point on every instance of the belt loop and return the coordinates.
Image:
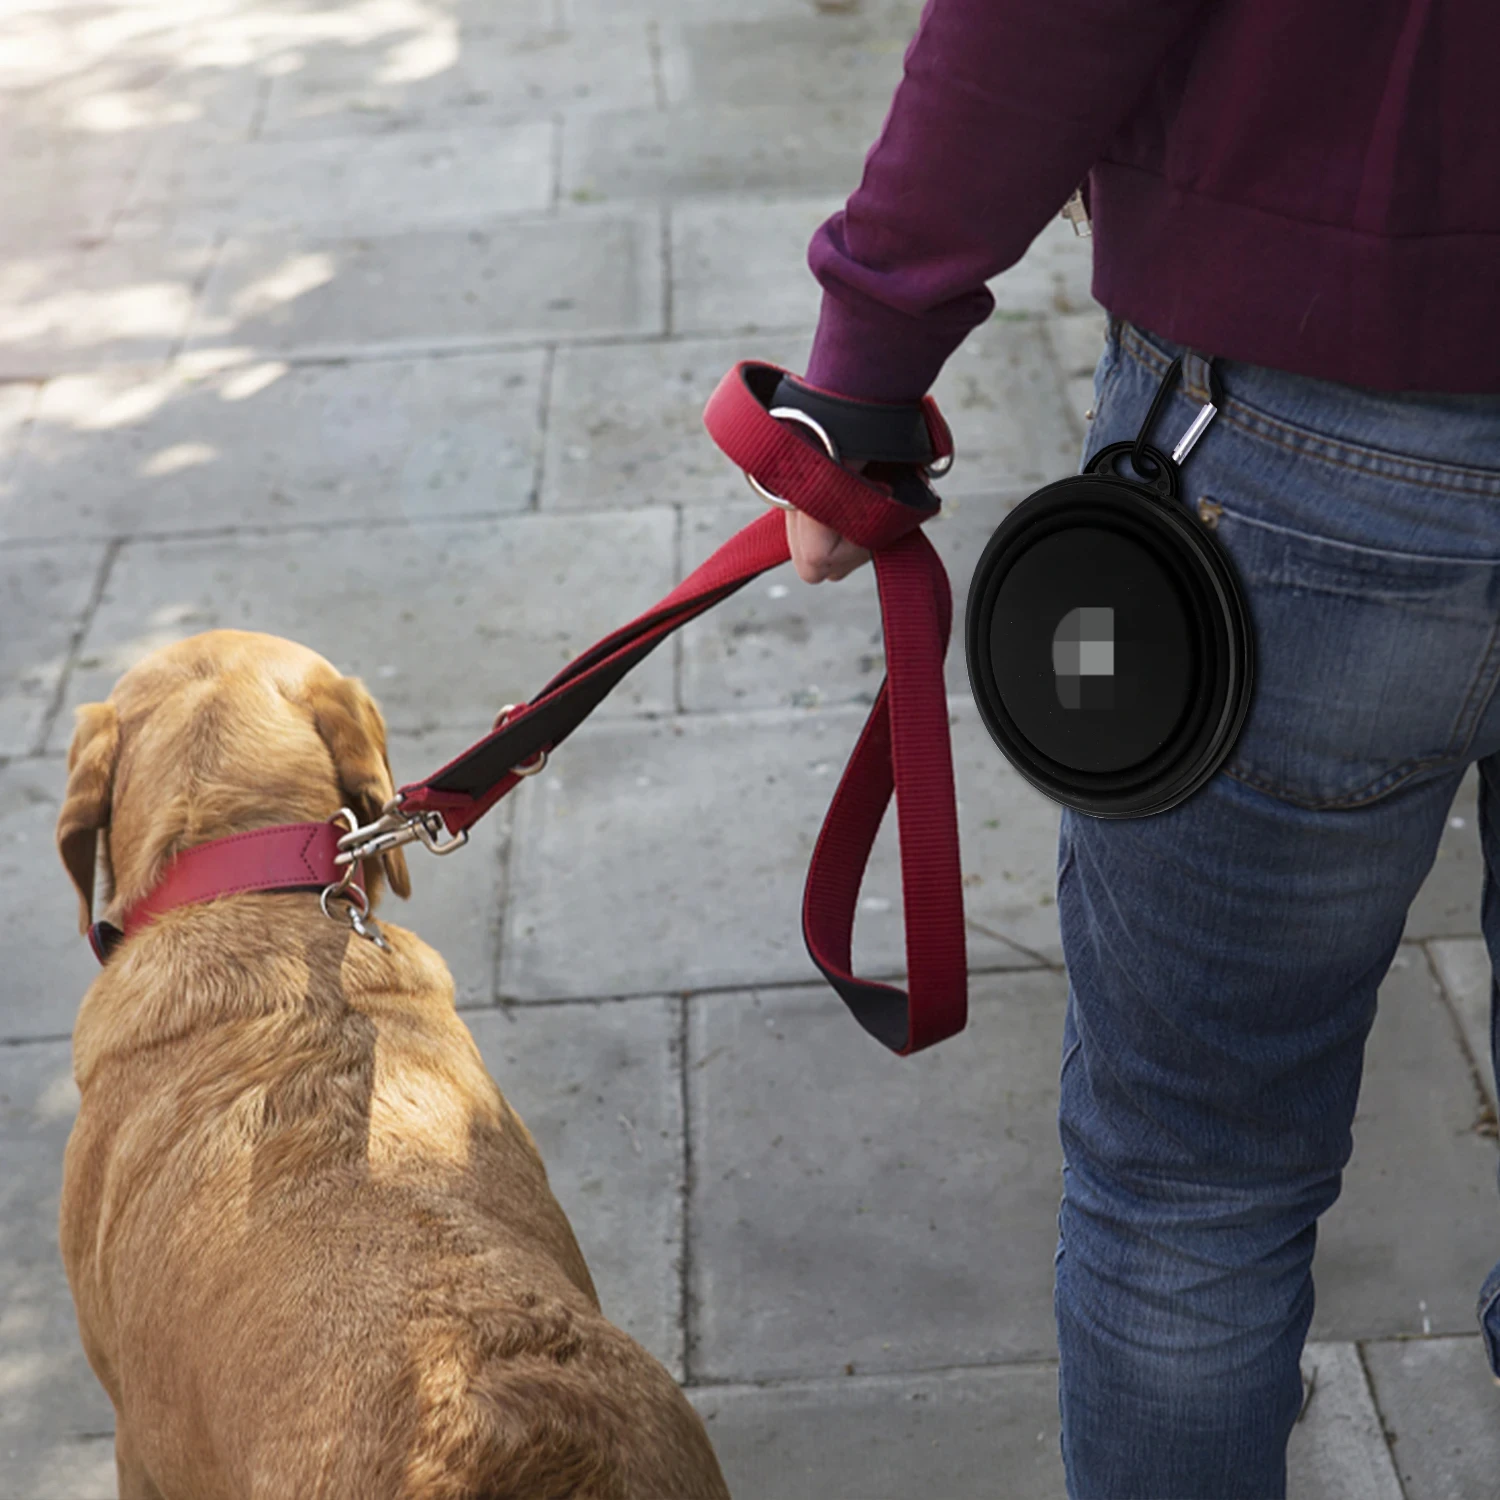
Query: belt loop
(1195, 376)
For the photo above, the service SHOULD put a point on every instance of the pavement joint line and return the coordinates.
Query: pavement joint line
(1040, 1363)
(455, 345)
(396, 351)
(546, 396)
(195, 298)
(742, 717)
(685, 1200)
(666, 270)
(558, 122)
(1076, 423)
(262, 104)
(506, 856)
(1387, 1434)
(658, 78)
(999, 937)
(75, 643)
(678, 659)
(1001, 497)
(512, 1003)
(1484, 1111)
(294, 529)
(32, 1041)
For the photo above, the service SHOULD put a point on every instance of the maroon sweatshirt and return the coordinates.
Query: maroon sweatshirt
(1312, 185)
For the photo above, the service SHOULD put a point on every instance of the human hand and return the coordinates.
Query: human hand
(818, 551)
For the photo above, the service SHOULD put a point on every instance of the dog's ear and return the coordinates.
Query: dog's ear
(350, 725)
(86, 804)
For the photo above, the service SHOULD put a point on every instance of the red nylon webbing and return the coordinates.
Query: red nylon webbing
(904, 749)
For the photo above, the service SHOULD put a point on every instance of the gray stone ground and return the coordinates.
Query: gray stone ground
(387, 324)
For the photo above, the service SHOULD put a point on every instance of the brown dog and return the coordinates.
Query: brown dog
(312, 1249)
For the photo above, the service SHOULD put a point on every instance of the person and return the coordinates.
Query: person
(1301, 195)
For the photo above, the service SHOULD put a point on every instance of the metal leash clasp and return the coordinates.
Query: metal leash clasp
(344, 888)
(392, 829)
(1189, 439)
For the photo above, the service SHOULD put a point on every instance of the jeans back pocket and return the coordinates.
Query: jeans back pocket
(1372, 666)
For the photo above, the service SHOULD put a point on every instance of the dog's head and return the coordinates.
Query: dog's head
(218, 734)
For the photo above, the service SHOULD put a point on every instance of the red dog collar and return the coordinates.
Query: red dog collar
(288, 857)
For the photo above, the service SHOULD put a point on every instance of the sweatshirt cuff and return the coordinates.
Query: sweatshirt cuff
(870, 352)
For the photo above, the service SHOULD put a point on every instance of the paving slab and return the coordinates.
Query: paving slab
(1078, 339)
(505, 65)
(598, 1086)
(852, 1207)
(670, 856)
(1053, 276)
(403, 180)
(39, 995)
(625, 422)
(1337, 1449)
(1006, 407)
(50, 1391)
(759, 148)
(64, 1469)
(1448, 903)
(1384, 1271)
(1467, 975)
(63, 190)
(951, 1433)
(789, 60)
(133, 71)
(44, 595)
(1442, 1409)
(75, 309)
(446, 621)
(210, 443)
(18, 401)
(740, 264)
(500, 282)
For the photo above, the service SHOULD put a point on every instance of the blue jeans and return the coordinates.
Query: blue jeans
(1223, 957)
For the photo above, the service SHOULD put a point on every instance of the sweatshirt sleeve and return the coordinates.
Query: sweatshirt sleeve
(1004, 106)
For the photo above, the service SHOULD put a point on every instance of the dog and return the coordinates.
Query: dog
(312, 1249)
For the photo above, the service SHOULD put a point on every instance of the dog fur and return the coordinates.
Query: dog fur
(312, 1249)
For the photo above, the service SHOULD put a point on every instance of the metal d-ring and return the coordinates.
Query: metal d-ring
(791, 414)
(359, 908)
(538, 761)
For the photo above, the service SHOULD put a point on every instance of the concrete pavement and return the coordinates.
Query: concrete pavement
(387, 325)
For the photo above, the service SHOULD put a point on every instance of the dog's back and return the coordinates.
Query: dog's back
(314, 1251)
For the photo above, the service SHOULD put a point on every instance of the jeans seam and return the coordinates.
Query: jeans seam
(1372, 792)
(1298, 441)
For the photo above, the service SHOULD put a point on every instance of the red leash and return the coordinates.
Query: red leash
(904, 749)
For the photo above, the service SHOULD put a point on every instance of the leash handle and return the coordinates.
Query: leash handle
(904, 750)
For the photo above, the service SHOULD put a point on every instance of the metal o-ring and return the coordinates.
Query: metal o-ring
(354, 894)
(538, 762)
(791, 414)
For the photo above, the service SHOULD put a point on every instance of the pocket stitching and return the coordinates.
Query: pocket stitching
(1383, 554)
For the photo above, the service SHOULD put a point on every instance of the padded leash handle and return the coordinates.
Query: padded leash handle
(903, 751)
